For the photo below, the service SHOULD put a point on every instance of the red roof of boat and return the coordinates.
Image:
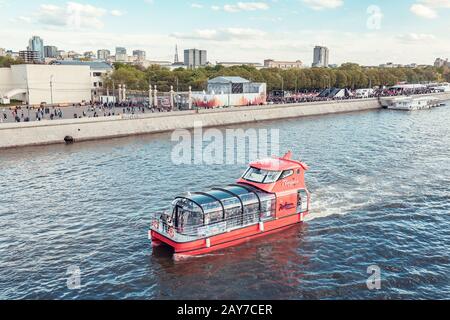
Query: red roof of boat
(279, 164)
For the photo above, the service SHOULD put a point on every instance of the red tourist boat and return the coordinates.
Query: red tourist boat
(270, 196)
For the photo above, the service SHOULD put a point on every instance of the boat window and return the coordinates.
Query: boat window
(213, 217)
(187, 218)
(186, 213)
(261, 176)
(287, 174)
(249, 198)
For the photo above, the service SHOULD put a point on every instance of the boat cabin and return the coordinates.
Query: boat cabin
(221, 210)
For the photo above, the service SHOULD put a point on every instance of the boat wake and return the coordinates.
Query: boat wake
(333, 200)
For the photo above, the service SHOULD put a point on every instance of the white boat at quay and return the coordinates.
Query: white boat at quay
(410, 103)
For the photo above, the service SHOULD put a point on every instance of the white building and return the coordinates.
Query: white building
(98, 70)
(439, 63)
(284, 65)
(2, 52)
(139, 55)
(103, 54)
(45, 83)
(121, 54)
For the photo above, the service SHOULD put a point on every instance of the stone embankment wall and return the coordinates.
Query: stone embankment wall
(52, 132)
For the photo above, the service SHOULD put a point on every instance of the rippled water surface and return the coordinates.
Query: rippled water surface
(381, 189)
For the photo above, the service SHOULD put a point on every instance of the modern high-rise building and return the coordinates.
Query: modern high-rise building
(103, 54)
(37, 44)
(121, 54)
(50, 51)
(194, 58)
(140, 55)
(321, 57)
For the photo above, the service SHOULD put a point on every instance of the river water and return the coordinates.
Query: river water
(381, 197)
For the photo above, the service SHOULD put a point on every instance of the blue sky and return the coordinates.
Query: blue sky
(363, 31)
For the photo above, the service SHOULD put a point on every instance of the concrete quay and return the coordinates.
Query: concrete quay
(53, 132)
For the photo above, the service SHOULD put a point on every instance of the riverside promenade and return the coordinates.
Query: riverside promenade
(58, 131)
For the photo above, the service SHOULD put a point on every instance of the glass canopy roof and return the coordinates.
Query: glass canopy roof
(224, 198)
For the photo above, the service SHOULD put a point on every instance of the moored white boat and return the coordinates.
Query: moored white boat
(413, 103)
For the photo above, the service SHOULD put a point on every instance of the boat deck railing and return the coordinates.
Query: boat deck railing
(161, 225)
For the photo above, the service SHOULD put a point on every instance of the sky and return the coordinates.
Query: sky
(368, 32)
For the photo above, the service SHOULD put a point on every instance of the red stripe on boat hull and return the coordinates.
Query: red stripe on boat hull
(227, 239)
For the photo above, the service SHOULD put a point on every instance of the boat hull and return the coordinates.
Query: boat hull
(228, 239)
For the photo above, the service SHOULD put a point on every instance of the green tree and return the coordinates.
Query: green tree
(7, 61)
(349, 75)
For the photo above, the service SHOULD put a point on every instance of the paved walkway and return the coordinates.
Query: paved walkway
(7, 115)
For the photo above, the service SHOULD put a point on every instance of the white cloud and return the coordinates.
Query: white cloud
(74, 15)
(241, 44)
(196, 6)
(428, 9)
(323, 4)
(117, 13)
(242, 6)
(22, 19)
(416, 37)
(436, 3)
(225, 34)
(423, 11)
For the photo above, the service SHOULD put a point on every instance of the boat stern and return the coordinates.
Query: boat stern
(160, 234)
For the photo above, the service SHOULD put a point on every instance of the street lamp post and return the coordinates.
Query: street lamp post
(177, 96)
(51, 89)
(282, 84)
(28, 95)
(229, 94)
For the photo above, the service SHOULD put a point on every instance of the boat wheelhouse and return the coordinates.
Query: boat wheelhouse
(270, 196)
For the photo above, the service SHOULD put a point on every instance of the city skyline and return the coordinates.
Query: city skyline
(238, 31)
